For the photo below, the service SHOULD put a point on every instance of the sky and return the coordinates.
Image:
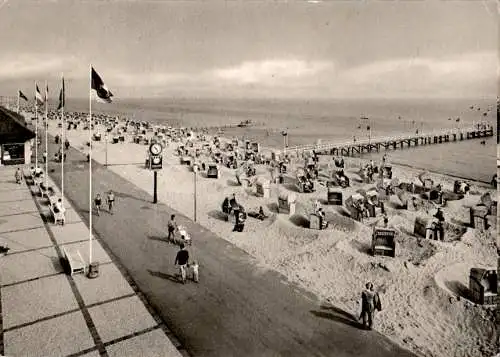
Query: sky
(270, 49)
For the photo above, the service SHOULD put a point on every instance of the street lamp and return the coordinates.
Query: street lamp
(195, 170)
(285, 140)
(106, 147)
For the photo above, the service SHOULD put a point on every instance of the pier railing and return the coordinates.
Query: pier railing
(329, 145)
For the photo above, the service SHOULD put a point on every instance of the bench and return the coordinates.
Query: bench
(44, 191)
(27, 174)
(52, 200)
(58, 217)
(74, 260)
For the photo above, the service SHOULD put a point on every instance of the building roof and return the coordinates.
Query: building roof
(13, 128)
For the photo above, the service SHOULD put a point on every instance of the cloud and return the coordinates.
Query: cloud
(272, 72)
(31, 65)
(454, 75)
(268, 73)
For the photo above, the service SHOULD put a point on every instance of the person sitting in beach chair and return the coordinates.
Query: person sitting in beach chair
(261, 214)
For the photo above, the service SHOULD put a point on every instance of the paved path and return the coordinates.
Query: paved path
(239, 308)
(45, 312)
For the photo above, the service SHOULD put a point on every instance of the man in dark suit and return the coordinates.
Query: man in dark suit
(370, 301)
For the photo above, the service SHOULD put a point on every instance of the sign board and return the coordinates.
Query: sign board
(155, 162)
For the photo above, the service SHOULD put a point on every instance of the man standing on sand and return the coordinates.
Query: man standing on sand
(370, 301)
(182, 259)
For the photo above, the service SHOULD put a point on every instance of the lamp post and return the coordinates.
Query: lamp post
(285, 140)
(106, 148)
(195, 170)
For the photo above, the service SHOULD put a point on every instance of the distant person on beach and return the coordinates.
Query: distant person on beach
(182, 259)
(98, 203)
(172, 226)
(44, 157)
(111, 201)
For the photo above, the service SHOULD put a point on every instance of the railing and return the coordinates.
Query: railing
(373, 141)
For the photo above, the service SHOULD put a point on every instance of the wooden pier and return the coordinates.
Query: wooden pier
(393, 142)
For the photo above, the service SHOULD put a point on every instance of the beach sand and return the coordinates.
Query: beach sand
(421, 310)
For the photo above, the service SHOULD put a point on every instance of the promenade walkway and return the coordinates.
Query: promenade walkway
(45, 312)
(239, 308)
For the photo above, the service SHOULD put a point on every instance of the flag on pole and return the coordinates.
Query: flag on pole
(46, 93)
(98, 85)
(62, 98)
(38, 95)
(21, 95)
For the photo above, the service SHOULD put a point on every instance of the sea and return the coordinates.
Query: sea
(307, 121)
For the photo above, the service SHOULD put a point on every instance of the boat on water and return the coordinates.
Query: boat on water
(245, 123)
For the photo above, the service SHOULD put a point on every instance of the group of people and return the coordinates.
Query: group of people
(110, 198)
(182, 257)
(369, 170)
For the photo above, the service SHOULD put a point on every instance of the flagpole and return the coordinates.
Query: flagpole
(90, 166)
(18, 102)
(36, 130)
(46, 133)
(62, 145)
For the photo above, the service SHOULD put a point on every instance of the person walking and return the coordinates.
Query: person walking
(111, 201)
(98, 203)
(172, 227)
(18, 175)
(182, 259)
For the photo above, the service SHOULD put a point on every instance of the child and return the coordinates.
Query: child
(195, 269)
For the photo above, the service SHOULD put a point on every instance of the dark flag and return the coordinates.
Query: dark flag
(21, 95)
(38, 96)
(98, 85)
(62, 97)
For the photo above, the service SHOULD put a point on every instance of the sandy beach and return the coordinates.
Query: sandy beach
(422, 308)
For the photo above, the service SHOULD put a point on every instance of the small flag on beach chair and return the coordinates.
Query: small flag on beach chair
(101, 90)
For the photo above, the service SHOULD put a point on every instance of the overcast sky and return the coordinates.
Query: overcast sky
(255, 48)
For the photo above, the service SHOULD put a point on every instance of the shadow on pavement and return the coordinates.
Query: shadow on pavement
(165, 276)
(159, 238)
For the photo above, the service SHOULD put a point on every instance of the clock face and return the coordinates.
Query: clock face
(155, 149)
